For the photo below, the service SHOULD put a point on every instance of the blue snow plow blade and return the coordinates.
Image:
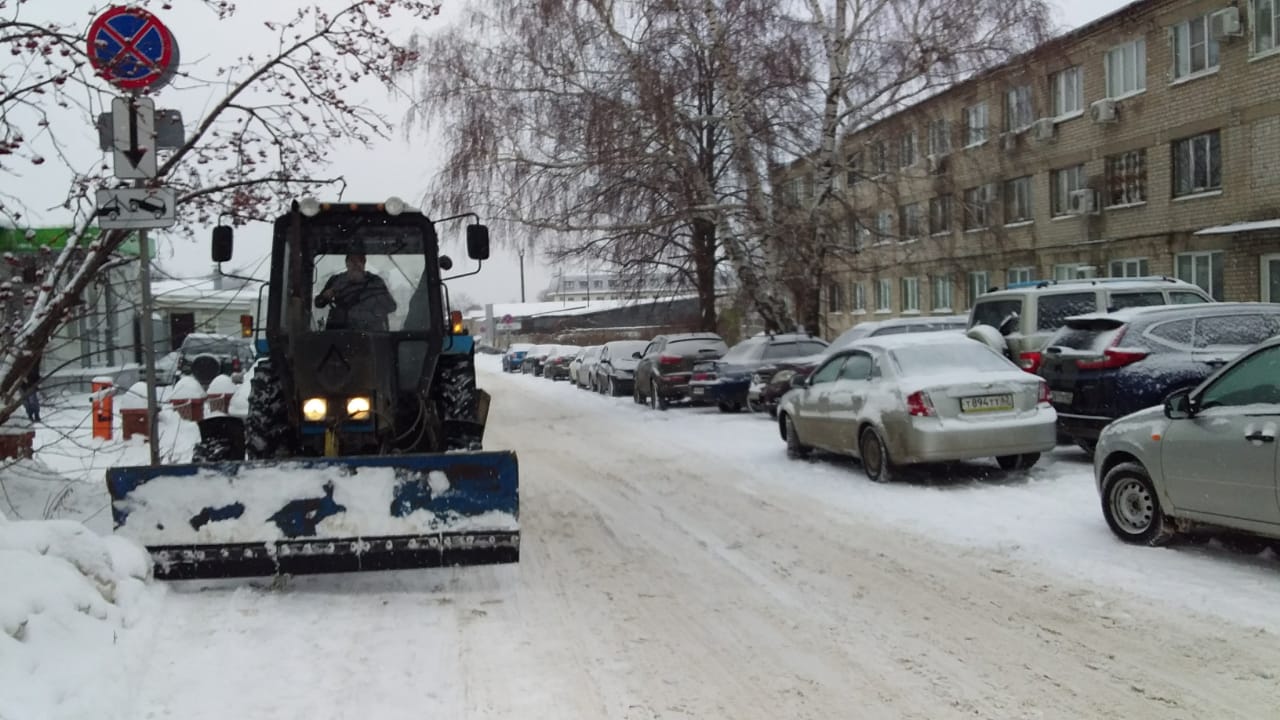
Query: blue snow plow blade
(321, 515)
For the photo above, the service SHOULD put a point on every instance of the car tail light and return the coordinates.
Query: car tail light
(1113, 357)
(669, 359)
(1029, 361)
(1046, 398)
(919, 404)
(704, 376)
(235, 364)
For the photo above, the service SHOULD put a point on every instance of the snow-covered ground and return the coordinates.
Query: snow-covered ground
(676, 564)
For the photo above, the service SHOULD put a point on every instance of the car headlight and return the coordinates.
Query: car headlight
(757, 379)
(358, 408)
(315, 409)
(783, 377)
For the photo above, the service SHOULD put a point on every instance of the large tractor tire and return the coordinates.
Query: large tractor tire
(268, 432)
(454, 393)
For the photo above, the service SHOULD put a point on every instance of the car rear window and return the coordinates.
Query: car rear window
(1186, 298)
(1052, 311)
(1174, 331)
(1234, 330)
(1120, 301)
(993, 312)
(745, 350)
(1094, 334)
(794, 349)
(968, 356)
(691, 346)
(890, 330)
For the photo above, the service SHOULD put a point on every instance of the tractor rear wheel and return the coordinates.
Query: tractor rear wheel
(268, 432)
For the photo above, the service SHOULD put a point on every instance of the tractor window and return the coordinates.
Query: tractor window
(386, 293)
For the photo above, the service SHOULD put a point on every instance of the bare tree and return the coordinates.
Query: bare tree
(264, 139)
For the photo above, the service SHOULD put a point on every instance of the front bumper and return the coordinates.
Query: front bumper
(1084, 427)
(931, 439)
(719, 391)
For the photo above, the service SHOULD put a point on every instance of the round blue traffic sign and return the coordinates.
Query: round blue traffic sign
(131, 49)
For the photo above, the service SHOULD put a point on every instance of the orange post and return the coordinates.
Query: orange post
(102, 414)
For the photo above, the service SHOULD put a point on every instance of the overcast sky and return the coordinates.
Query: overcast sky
(396, 166)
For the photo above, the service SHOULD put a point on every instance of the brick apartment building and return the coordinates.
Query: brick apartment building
(1145, 143)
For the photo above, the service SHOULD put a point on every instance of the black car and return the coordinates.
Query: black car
(1103, 366)
(726, 382)
(205, 356)
(616, 368)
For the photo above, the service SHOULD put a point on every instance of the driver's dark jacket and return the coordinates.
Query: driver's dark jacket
(357, 304)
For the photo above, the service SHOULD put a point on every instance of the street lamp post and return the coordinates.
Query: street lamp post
(521, 253)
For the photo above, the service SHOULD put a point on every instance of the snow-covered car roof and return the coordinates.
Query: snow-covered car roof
(1132, 313)
(907, 340)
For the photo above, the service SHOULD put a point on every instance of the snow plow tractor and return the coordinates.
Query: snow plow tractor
(361, 449)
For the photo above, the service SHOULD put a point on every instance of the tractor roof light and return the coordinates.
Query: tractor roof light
(309, 206)
(315, 409)
(394, 206)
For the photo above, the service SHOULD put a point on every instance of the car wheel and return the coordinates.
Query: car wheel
(613, 388)
(795, 448)
(635, 394)
(1132, 508)
(655, 399)
(1018, 462)
(875, 456)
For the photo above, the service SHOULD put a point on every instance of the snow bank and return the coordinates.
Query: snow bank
(188, 388)
(69, 596)
(222, 385)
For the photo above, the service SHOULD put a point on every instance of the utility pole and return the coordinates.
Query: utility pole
(520, 251)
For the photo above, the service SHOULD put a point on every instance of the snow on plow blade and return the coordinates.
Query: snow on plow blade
(319, 515)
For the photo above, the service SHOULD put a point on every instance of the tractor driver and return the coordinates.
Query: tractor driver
(360, 299)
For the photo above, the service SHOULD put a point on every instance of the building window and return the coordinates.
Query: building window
(1266, 24)
(1068, 91)
(884, 227)
(979, 281)
(1017, 200)
(880, 158)
(1127, 178)
(853, 233)
(977, 201)
(1073, 271)
(1127, 69)
(910, 294)
(940, 215)
(597, 284)
(909, 222)
(1194, 49)
(1203, 269)
(907, 149)
(975, 124)
(1065, 181)
(859, 298)
(862, 237)
(884, 295)
(1129, 267)
(1018, 114)
(1197, 164)
(854, 172)
(1021, 275)
(835, 298)
(939, 137)
(942, 291)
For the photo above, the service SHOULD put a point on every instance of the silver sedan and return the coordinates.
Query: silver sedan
(908, 399)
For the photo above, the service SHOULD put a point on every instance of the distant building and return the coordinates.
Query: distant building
(610, 285)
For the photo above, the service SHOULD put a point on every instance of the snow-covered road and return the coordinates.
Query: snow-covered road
(677, 565)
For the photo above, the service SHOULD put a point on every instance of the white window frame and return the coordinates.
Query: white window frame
(1183, 51)
(1020, 275)
(976, 124)
(884, 227)
(879, 159)
(859, 298)
(1019, 111)
(1258, 24)
(982, 199)
(1213, 257)
(1140, 267)
(947, 214)
(1126, 69)
(862, 236)
(835, 298)
(906, 214)
(907, 155)
(979, 281)
(910, 295)
(1065, 181)
(943, 293)
(1185, 150)
(884, 295)
(1074, 271)
(1264, 276)
(939, 137)
(1068, 92)
(1133, 165)
(1017, 196)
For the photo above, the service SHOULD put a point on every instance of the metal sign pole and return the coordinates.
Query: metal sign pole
(148, 339)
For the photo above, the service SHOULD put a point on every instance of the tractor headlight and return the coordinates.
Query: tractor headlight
(315, 409)
(394, 206)
(358, 408)
(309, 206)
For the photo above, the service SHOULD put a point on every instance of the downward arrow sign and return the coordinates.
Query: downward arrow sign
(134, 154)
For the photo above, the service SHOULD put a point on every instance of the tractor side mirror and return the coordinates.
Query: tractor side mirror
(478, 242)
(222, 243)
(446, 263)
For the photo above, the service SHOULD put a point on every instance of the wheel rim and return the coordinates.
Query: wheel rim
(1132, 506)
(871, 454)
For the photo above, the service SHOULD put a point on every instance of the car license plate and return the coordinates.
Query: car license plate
(699, 391)
(986, 403)
(1062, 396)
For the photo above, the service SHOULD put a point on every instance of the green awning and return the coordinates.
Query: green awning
(26, 240)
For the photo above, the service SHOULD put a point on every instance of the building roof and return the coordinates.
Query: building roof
(561, 308)
(204, 291)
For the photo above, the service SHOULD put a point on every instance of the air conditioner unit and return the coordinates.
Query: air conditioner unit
(1084, 202)
(1103, 111)
(1044, 129)
(1225, 24)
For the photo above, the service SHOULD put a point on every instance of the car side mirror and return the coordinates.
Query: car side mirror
(446, 263)
(636, 355)
(1179, 405)
(222, 243)
(799, 381)
(478, 242)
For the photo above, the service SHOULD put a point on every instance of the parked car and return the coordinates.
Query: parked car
(1205, 460)
(665, 366)
(513, 358)
(556, 366)
(616, 368)
(205, 356)
(1020, 319)
(1104, 366)
(582, 371)
(909, 399)
(534, 359)
(726, 381)
(770, 382)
